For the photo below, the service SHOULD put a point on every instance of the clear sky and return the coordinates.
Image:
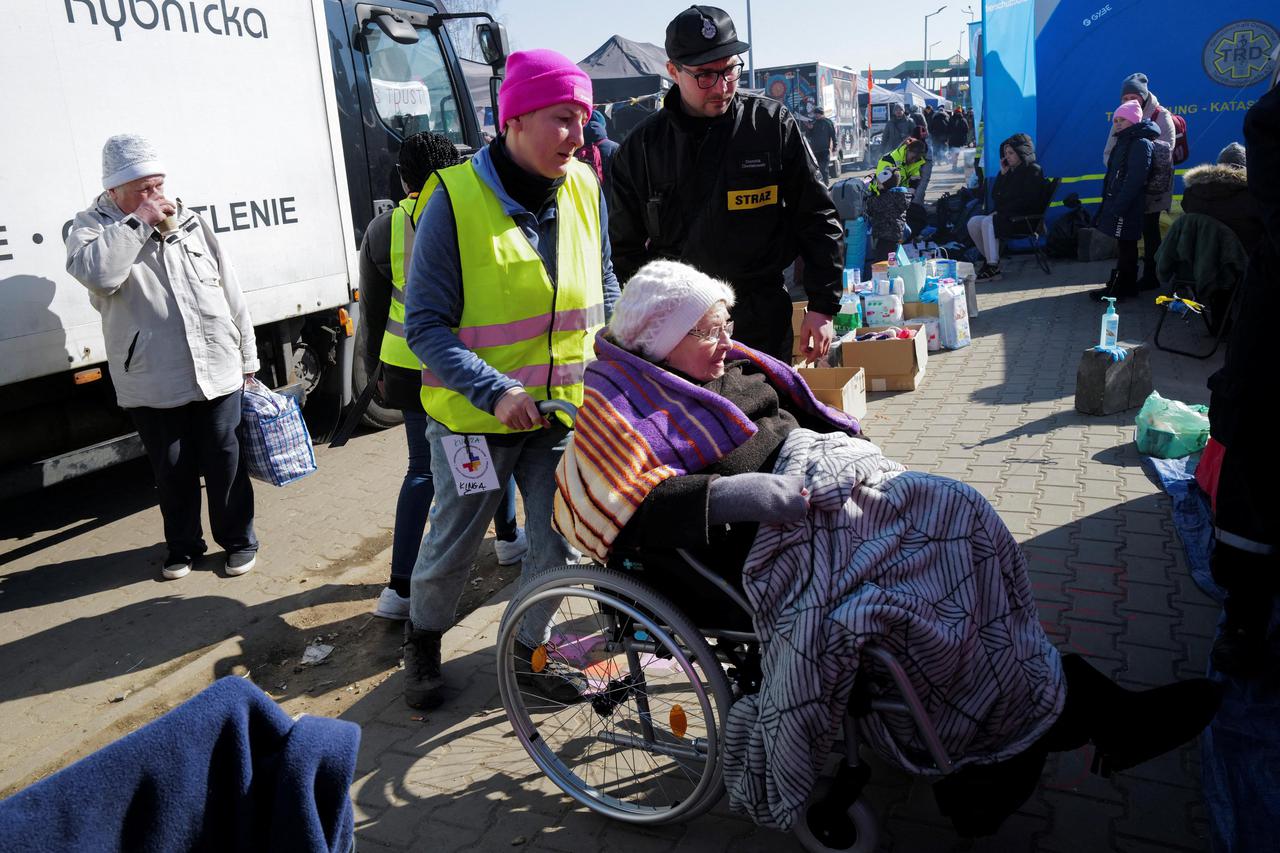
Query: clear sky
(838, 32)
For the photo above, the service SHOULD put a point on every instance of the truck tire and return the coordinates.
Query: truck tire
(378, 416)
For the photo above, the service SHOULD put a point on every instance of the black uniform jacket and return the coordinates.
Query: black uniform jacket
(739, 197)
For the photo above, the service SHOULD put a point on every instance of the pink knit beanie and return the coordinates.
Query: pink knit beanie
(1132, 110)
(541, 78)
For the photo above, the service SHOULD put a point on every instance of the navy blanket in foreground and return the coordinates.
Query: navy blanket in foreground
(226, 770)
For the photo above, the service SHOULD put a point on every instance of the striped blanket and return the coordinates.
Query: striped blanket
(922, 566)
(640, 424)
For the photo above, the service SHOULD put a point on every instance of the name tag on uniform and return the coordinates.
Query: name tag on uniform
(753, 198)
(470, 463)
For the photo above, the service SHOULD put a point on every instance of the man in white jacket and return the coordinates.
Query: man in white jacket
(180, 347)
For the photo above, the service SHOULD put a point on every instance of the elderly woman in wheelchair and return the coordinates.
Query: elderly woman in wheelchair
(769, 581)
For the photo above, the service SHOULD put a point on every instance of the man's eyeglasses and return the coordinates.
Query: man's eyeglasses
(707, 79)
(714, 333)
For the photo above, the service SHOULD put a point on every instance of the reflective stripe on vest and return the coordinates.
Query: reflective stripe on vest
(897, 158)
(517, 320)
(395, 349)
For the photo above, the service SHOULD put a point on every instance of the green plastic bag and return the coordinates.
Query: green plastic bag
(1169, 429)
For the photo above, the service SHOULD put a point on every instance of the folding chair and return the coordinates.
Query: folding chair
(1031, 226)
(1186, 296)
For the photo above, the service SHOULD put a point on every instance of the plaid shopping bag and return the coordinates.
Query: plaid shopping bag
(273, 436)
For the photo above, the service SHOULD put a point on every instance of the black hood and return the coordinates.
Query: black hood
(1022, 144)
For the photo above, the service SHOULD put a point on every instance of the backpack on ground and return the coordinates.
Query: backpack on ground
(1160, 176)
(1181, 147)
(850, 197)
(1063, 238)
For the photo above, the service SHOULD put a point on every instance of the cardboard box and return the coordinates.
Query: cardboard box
(797, 318)
(892, 365)
(916, 310)
(843, 388)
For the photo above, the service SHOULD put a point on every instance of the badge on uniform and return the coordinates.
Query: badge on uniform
(753, 198)
(470, 463)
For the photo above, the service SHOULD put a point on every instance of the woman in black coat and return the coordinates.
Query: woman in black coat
(1018, 191)
(1124, 195)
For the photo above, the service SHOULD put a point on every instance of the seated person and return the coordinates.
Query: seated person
(887, 213)
(688, 439)
(1018, 191)
(1221, 191)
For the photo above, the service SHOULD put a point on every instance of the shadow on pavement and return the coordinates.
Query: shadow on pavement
(57, 582)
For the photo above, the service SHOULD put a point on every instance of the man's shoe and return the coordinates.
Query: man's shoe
(510, 553)
(989, 273)
(241, 563)
(392, 605)
(176, 567)
(551, 679)
(423, 681)
(1240, 653)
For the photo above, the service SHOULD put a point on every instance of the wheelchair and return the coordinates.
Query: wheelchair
(645, 745)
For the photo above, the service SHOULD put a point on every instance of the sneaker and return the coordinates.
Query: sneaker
(241, 562)
(556, 681)
(510, 553)
(176, 567)
(392, 605)
(423, 681)
(989, 273)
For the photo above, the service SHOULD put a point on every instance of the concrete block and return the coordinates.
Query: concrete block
(1105, 387)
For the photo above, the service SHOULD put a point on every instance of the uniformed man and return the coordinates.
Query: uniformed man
(725, 183)
(911, 160)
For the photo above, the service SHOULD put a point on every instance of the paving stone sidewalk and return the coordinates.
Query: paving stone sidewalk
(1106, 565)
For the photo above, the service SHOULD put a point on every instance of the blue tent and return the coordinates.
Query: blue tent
(1053, 68)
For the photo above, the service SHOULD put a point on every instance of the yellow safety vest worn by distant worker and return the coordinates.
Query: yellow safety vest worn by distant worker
(395, 349)
(897, 158)
(514, 317)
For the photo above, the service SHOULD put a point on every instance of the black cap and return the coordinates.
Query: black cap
(819, 111)
(702, 34)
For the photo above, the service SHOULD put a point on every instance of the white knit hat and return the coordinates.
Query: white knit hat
(127, 157)
(661, 304)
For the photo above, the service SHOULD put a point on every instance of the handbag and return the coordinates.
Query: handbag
(273, 436)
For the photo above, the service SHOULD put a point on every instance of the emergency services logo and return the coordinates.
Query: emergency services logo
(1239, 54)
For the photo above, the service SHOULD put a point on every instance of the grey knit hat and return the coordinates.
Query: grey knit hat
(1135, 84)
(1232, 155)
(127, 157)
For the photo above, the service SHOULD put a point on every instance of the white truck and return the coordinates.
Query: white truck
(279, 122)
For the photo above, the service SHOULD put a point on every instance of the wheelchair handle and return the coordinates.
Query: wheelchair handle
(547, 407)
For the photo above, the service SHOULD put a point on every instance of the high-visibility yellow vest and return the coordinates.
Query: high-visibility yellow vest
(514, 317)
(898, 159)
(395, 349)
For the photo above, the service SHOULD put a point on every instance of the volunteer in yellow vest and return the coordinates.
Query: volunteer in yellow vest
(510, 280)
(911, 159)
(384, 259)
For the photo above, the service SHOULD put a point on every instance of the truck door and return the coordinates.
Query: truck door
(405, 87)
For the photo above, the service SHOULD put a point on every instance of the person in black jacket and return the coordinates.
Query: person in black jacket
(400, 386)
(1124, 195)
(1246, 555)
(1018, 191)
(725, 183)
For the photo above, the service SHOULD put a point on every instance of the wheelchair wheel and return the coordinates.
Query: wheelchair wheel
(860, 834)
(644, 745)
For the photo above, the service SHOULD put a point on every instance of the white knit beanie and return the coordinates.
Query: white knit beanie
(127, 157)
(661, 304)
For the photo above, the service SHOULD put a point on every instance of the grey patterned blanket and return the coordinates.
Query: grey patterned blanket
(922, 566)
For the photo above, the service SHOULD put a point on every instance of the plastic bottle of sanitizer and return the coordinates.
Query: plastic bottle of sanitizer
(1110, 332)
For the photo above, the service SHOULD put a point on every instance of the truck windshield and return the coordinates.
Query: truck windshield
(411, 88)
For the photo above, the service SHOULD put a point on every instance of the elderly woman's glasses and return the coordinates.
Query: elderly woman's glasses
(707, 79)
(713, 334)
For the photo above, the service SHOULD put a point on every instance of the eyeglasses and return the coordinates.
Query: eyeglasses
(707, 79)
(714, 333)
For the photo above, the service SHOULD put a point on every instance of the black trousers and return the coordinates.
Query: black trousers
(1127, 268)
(183, 443)
(1150, 245)
(762, 318)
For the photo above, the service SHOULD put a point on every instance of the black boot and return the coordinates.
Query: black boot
(1241, 650)
(1128, 727)
(423, 681)
(547, 674)
(1108, 290)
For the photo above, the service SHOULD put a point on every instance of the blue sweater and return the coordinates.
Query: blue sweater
(433, 306)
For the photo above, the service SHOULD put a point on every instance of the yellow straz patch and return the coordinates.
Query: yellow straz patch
(748, 199)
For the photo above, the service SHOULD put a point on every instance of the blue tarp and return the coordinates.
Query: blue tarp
(1053, 68)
